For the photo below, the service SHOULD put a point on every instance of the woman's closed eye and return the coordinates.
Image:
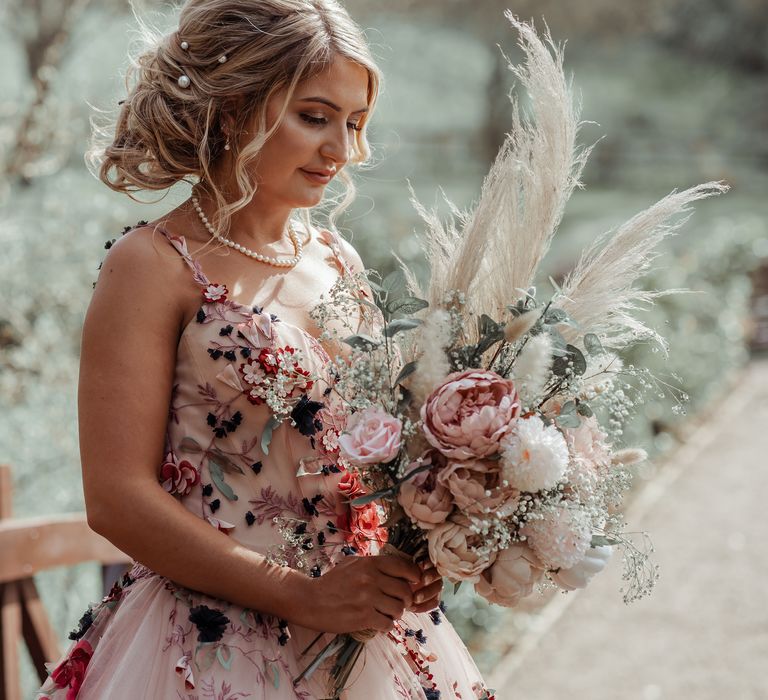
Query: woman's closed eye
(320, 121)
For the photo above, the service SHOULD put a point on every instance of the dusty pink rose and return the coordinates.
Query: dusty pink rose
(589, 442)
(477, 488)
(71, 672)
(371, 436)
(178, 476)
(458, 553)
(426, 501)
(511, 577)
(467, 415)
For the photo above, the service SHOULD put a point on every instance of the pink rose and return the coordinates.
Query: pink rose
(458, 553)
(71, 672)
(426, 501)
(477, 488)
(511, 577)
(178, 477)
(350, 486)
(372, 436)
(467, 415)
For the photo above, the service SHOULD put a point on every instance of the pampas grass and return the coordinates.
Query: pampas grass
(499, 244)
(532, 367)
(491, 253)
(600, 292)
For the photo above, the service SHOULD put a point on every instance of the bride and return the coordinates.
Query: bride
(198, 327)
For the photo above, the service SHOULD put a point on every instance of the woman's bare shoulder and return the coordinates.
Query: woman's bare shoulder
(143, 273)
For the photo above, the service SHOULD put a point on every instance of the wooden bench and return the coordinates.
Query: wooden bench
(29, 545)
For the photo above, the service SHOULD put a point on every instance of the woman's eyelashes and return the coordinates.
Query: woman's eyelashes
(320, 121)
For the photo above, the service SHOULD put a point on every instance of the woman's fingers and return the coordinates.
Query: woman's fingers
(433, 590)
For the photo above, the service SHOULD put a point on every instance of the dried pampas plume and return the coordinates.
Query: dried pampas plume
(532, 367)
(502, 240)
(629, 456)
(600, 293)
(433, 368)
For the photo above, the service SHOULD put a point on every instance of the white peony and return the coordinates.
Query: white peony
(580, 574)
(534, 456)
(561, 537)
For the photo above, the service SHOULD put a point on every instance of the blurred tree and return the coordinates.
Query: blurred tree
(729, 32)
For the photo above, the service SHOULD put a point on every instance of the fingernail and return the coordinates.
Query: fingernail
(419, 598)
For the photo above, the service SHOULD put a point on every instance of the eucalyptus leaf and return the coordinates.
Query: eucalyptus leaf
(593, 345)
(406, 305)
(400, 324)
(224, 656)
(456, 587)
(569, 420)
(568, 407)
(583, 409)
(226, 463)
(487, 325)
(361, 341)
(602, 541)
(408, 369)
(217, 476)
(394, 280)
(554, 316)
(578, 360)
(189, 444)
(266, 435)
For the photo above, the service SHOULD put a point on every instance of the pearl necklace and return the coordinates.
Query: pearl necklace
(269, 260)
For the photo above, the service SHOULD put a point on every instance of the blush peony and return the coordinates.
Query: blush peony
(458, 553)
(477, 488)
(467, 415)
(425, 500)
(371, 436)
(511, 577)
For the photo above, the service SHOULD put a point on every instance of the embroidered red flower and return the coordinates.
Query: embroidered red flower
(178, 477)
(71, 672)
(215, 292)
(275, 369)
(270, 360)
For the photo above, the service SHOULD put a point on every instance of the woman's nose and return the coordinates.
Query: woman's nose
(338, 148)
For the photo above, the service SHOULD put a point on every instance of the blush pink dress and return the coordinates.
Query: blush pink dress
(151, 638)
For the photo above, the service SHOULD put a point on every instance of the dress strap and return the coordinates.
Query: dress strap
(180, 244)
(331, 239)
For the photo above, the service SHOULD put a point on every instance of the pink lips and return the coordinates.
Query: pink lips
(321, 177)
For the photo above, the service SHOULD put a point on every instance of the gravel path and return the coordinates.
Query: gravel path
(703, 633)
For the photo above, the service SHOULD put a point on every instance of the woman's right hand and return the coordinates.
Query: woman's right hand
(360, 593)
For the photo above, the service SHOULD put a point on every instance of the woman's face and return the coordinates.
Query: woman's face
(317, 133)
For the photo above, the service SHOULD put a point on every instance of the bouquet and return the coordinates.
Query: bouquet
(485, 417)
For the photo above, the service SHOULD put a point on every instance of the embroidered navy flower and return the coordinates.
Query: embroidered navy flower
(210, 623)
(250, 518)
(435, 615)
(303, 416)
(432, 693)
(82, 626)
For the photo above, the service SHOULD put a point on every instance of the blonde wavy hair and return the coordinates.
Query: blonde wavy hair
(164, 134)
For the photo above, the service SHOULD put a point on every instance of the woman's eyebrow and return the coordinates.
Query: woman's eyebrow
(324, 101)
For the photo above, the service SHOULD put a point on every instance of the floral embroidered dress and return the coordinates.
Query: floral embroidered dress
(279, 489)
